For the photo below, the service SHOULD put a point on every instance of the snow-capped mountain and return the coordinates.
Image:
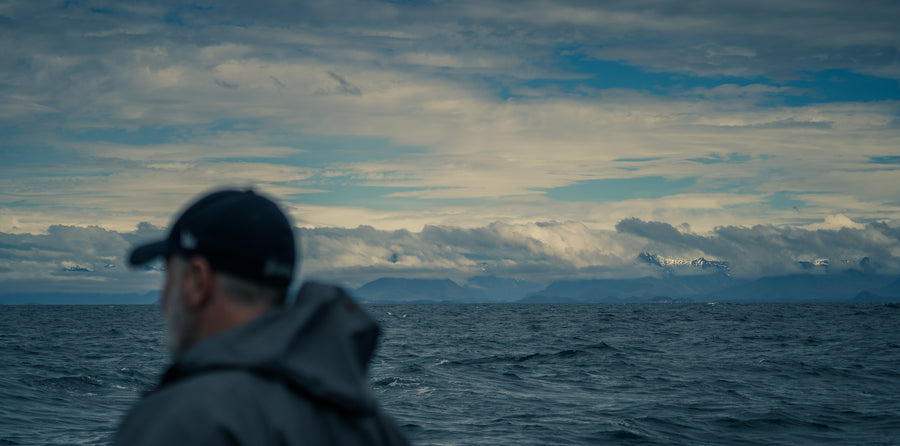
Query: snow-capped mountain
(700, 262)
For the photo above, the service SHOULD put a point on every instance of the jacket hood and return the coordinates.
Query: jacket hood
(319, 346)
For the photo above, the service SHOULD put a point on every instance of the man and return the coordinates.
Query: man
(248, 371)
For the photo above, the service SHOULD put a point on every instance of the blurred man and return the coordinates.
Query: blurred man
(247, 370)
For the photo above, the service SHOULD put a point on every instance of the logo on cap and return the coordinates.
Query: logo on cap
(275, 268)
(188, 241)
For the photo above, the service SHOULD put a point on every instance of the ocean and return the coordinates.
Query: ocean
(524, 374)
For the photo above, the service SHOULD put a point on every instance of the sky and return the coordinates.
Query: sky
(535, 140)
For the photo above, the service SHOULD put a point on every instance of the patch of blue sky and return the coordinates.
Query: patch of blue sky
(884, 159)
(501, 86)
(842, 85)
(836, 85)
(8, 131)
(33, 155)
(329, 151)
(145, 135)
(172, 18)
(174, 15)
(606, 74)
(619, 189)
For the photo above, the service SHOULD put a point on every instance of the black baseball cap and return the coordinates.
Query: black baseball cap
(238, 232)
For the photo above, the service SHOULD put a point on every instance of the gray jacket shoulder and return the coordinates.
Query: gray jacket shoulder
(236, 407)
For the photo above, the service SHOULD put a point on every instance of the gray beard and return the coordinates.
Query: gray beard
(179, 325)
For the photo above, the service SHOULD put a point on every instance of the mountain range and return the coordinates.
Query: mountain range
(845, 286)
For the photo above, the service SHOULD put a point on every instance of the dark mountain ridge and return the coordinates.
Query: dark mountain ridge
(393, 290)
(845, 286)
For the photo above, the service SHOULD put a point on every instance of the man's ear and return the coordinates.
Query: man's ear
(198, 283)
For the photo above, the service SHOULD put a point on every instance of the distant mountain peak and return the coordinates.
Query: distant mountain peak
(666, 262)
(863, 264)
(816, 263)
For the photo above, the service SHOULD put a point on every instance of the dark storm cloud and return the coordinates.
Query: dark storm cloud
(657, 231)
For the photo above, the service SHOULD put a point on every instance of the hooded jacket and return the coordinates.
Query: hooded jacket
(293, 376)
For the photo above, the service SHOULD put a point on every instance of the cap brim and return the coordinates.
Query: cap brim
(146, 253)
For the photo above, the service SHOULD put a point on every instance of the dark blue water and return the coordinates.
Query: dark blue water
(518, 374)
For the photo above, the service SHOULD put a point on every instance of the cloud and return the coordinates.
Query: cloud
(539, 251)
(733, 91)
(74, 259)
(344, 87)
(761, 38)
(770, 250)
(715, 158)
(460, 118)
(93, 259)
(127, 192)
(835, 223)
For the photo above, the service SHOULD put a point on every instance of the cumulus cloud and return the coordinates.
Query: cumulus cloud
(93, 259)
(74, 259)
(534, 251)
(88, 259)
(771, 250)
